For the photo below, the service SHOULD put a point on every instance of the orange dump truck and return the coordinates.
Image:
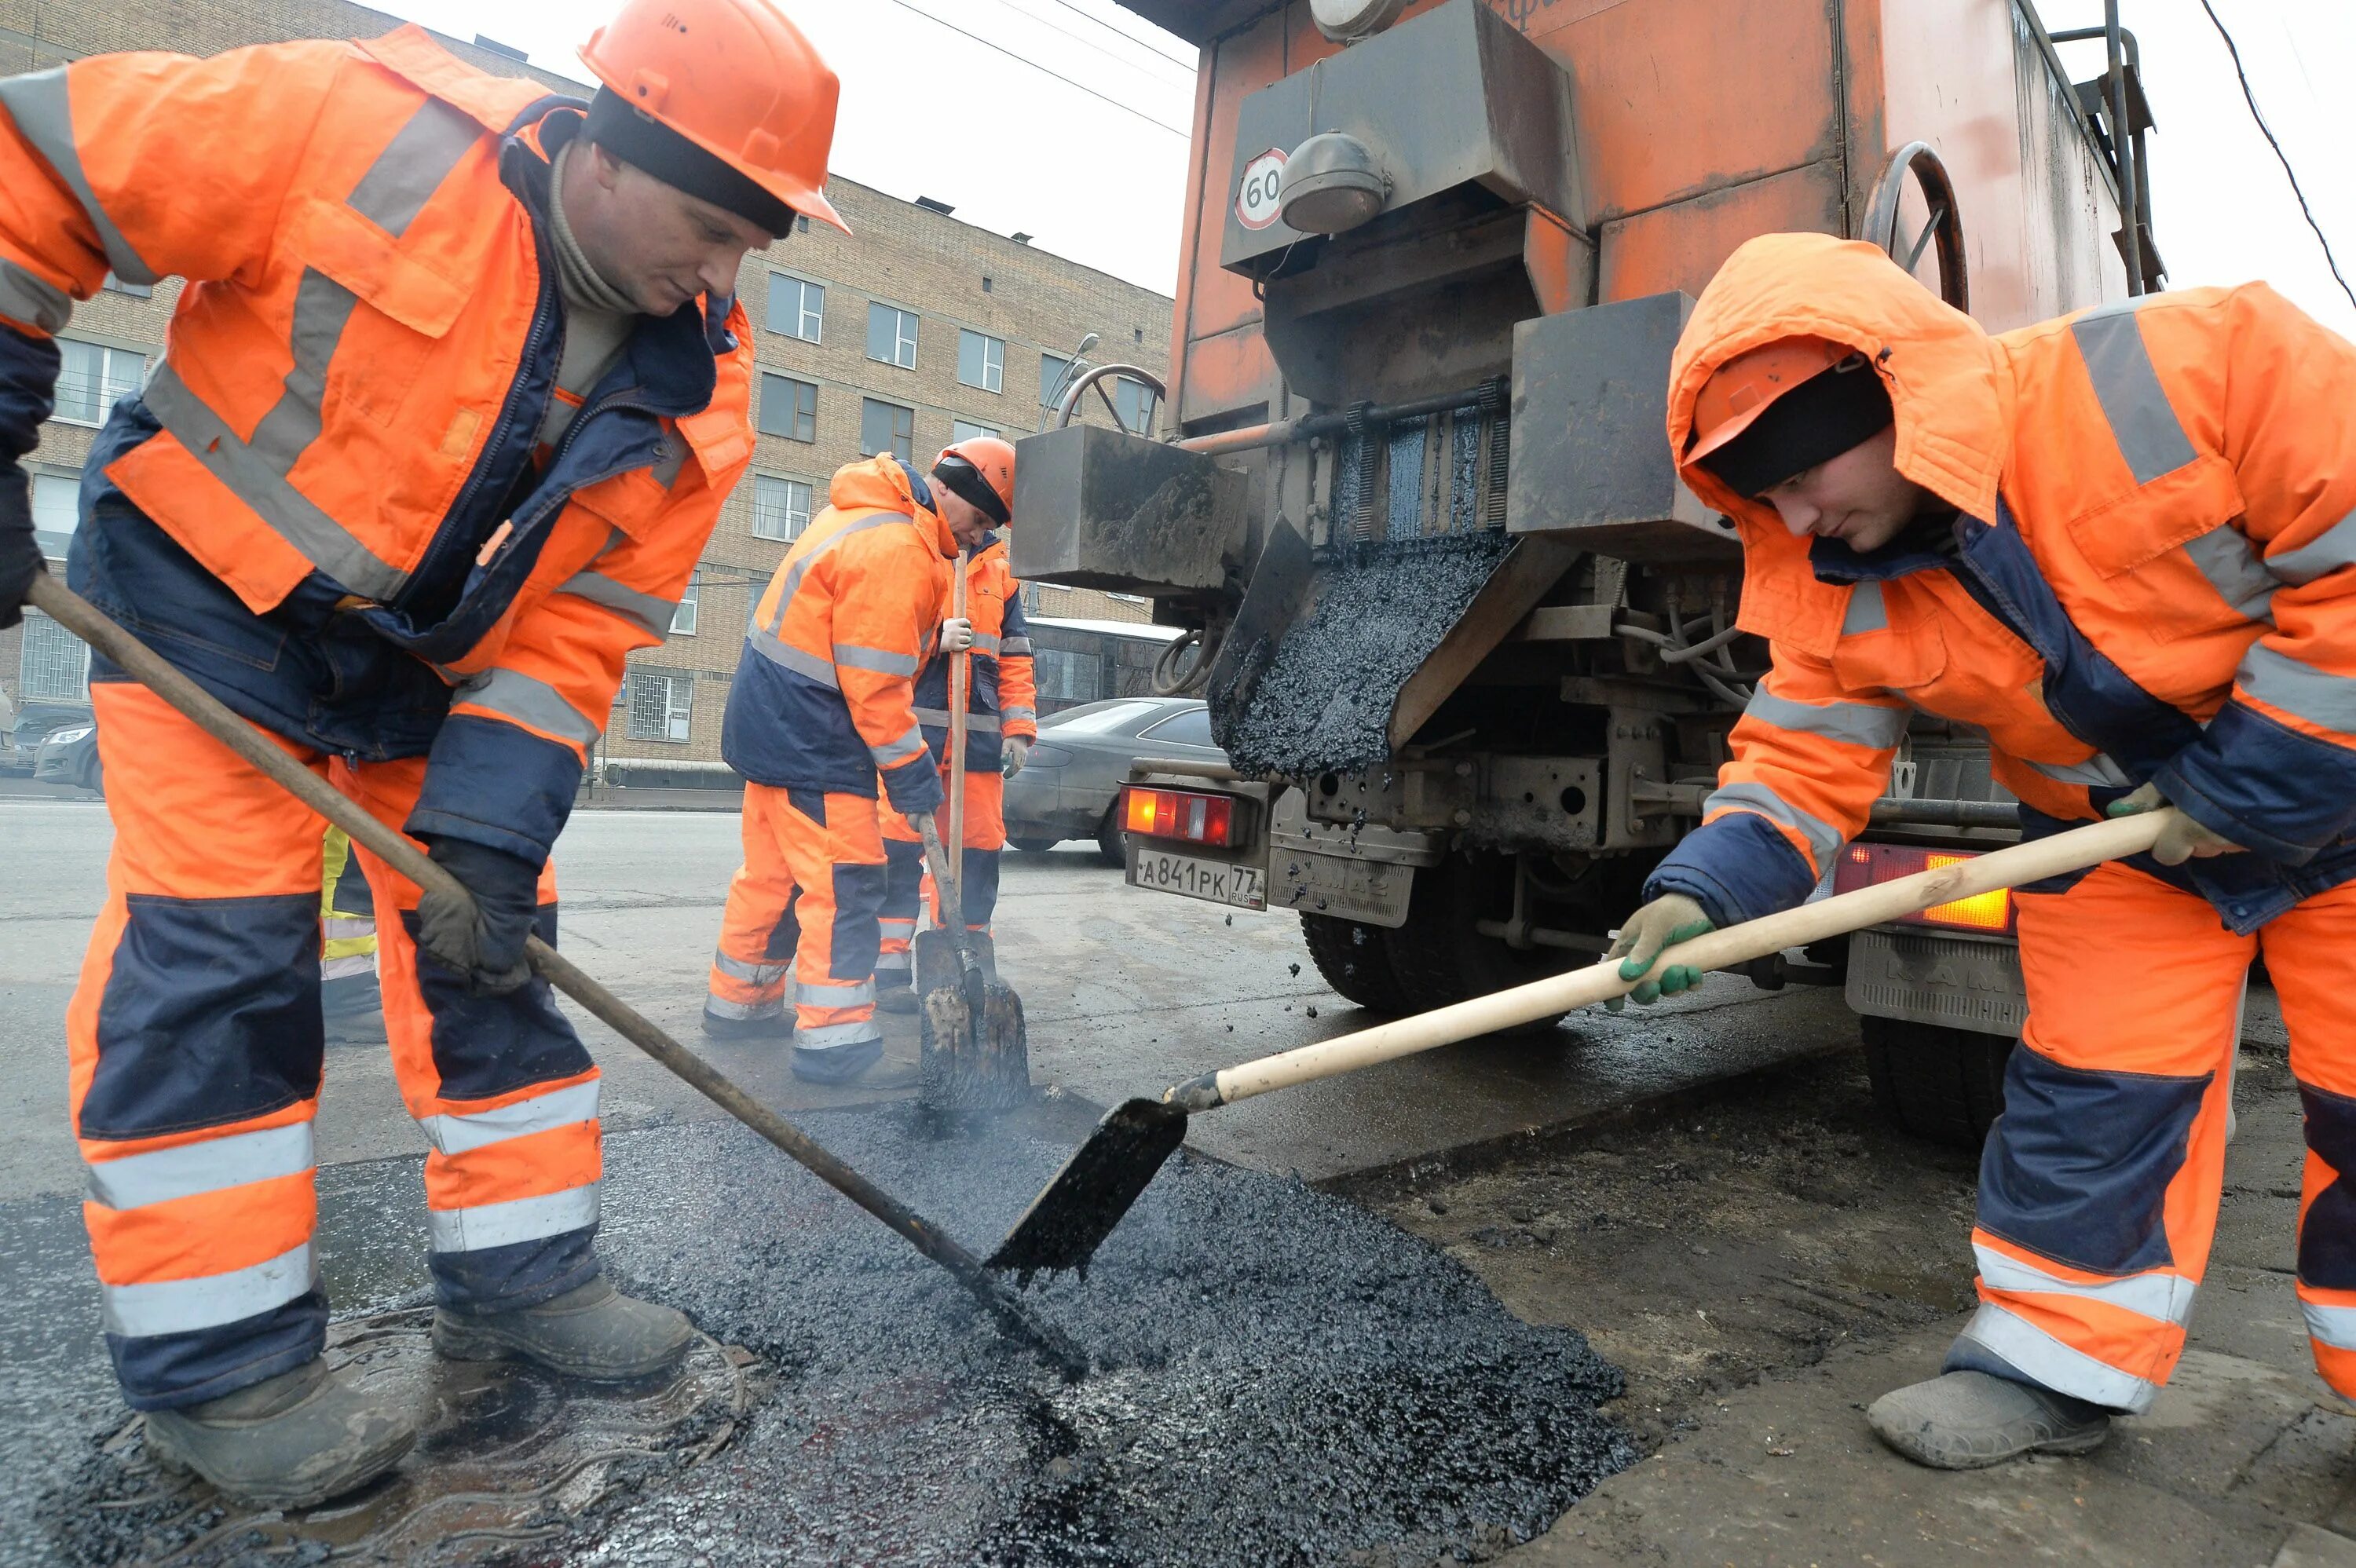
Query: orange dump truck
(1472, 650)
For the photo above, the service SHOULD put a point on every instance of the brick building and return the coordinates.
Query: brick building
(914, 330)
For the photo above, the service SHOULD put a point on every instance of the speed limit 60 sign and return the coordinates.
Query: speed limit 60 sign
(1256, 196)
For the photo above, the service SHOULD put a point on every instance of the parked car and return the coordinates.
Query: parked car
(1071, 786)
(70, 756)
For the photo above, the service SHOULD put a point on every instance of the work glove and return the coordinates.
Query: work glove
(1668, 919)
(957, 634)
(20, 555)
(481, 936)
(921, 822)
(2182, 840)
(1012, 754)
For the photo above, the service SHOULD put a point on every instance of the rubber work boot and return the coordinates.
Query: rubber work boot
(594, 1332)
(1967, 1421)
(776, 1026)
(835, 1063)
(896, 996)
(288, 1442)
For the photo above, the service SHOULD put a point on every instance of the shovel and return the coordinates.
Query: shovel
(972, 1054)
(201, 707)
(1068, 1220)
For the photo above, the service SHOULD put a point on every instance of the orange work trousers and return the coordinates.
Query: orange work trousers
(2100, 1183)
(197, 1052)
(909, 885)
(804, 904)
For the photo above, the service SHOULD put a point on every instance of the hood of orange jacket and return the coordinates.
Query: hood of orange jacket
(889, 484)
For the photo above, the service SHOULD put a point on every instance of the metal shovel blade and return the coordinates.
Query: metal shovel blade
(972, 1054)
(1073, 1215)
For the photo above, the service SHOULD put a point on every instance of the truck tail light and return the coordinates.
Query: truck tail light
(1180, 814)
(1867, 865)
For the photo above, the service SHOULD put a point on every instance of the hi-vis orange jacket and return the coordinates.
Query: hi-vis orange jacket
(340, 431)
(1002, 697)
(824, 696)
(2150, 580)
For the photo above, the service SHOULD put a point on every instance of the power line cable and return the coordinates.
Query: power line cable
(1132, 37)
(2283, 159)
(1124, 61)
(1059, 76)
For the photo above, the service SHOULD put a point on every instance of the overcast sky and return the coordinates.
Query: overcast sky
(928, 109)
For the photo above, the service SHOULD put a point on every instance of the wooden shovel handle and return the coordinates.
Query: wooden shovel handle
(1834, 916)
(960, 688)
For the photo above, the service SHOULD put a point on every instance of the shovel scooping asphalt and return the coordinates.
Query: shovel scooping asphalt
(1068, 1220)
(83, 619)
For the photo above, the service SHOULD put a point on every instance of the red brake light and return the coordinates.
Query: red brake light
(1868, 865)
(1180, 814)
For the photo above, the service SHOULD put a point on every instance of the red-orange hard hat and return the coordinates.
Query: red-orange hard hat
(735, 78)
(1742, 388)
(992, 461)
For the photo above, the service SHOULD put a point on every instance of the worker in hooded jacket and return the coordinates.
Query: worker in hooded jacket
(452, 398)
(2123, 544)
(821, 715)
(1002, 722)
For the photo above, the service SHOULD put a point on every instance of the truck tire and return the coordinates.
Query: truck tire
(1945, 1085)
(1353, 961)
(1437, 959)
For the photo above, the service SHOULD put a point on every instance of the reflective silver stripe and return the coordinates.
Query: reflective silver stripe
(1758, 797)
(347, 927)
(979, 723)
(528, 700)
(2163, 1297)
(457, 1132)
(890, 962)
(983, 643)
(346, 968)
(164, 1174)
(1854, 723)
(1866, 611)
(323, 307)
(2329, 550)
(2230, 563)
(33, 299)
(850, 655)
(2332, 1326)
(1014, 710)
(421, 156)
(829, 1037)
(750, 974)
(252, 478)
(2317, 696)
(897, 927)
(892, 753)
(520, 1220)
(43, 110)
(2055, 1364)
(808, 995)
(720, 1007)
(2096, 770)
(767, 645)
(2151, 436)
(184, 1306)
(1014, 645)
(795, 572)
(646, 612)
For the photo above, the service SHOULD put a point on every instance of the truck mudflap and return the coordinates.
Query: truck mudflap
(1960, 981)
(1366, 873)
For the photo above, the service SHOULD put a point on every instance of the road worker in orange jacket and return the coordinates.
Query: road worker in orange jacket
(451, 400)
(2123, 544)
(1003, 709)
(822, 711)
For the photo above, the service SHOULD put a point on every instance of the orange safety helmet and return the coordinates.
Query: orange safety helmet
(987, 459)
(734, 78)
(1733, 398)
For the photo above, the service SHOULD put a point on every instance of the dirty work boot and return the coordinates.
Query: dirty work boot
(287, 1442)
(835, 1063)
(896, 996)
(776, 1026)
(1967, 1421)
(594, 1332)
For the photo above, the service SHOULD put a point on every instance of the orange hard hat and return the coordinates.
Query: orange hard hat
(988, 459)
(1742, 388)
(736, 79)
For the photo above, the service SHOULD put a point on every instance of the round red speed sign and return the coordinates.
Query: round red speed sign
(1256, 196)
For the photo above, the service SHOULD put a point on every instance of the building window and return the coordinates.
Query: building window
(136, 291)
(981, 360)
(886, 427)
(56, 666)
(966, 430)
(797, 307)
(56, 511)
(1134, 400)
(781, 507)
(1066, 676)
(662, 705)
(1054, 371)
(90, 377)
(802, 223)
(892, 334)
(682, 619)
(788, 408)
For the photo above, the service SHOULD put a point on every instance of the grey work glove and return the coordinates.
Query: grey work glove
(956, 635)
(924, 823)
(2182, 840)
(481, 932)
(1013, 754)
(20, 553)
(1668, 919)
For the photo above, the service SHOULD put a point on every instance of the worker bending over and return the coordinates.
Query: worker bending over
(1002, 719)
(2123, 544)
(822, 709)
(450, 403)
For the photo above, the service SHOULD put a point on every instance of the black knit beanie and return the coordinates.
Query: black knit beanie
(639, 139)
(1821, 417)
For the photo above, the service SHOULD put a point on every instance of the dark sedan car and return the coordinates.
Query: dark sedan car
(1070, 786)
(70, 756)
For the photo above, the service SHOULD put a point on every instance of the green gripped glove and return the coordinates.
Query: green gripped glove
(2182, 840)
(1665, 922)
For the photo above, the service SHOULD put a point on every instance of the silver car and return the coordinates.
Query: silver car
(1072, 784)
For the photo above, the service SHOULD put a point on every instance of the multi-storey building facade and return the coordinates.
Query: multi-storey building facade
(913, 331)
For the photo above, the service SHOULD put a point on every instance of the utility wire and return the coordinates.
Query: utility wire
(2281, 156)
(1059, 76)
(1132, 37)
(1124, 61)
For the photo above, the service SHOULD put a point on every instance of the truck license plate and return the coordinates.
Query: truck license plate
(1245, 887)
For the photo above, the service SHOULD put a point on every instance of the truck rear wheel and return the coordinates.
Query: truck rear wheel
(1940, 1083)
(1437, 959)
(1351, 958)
